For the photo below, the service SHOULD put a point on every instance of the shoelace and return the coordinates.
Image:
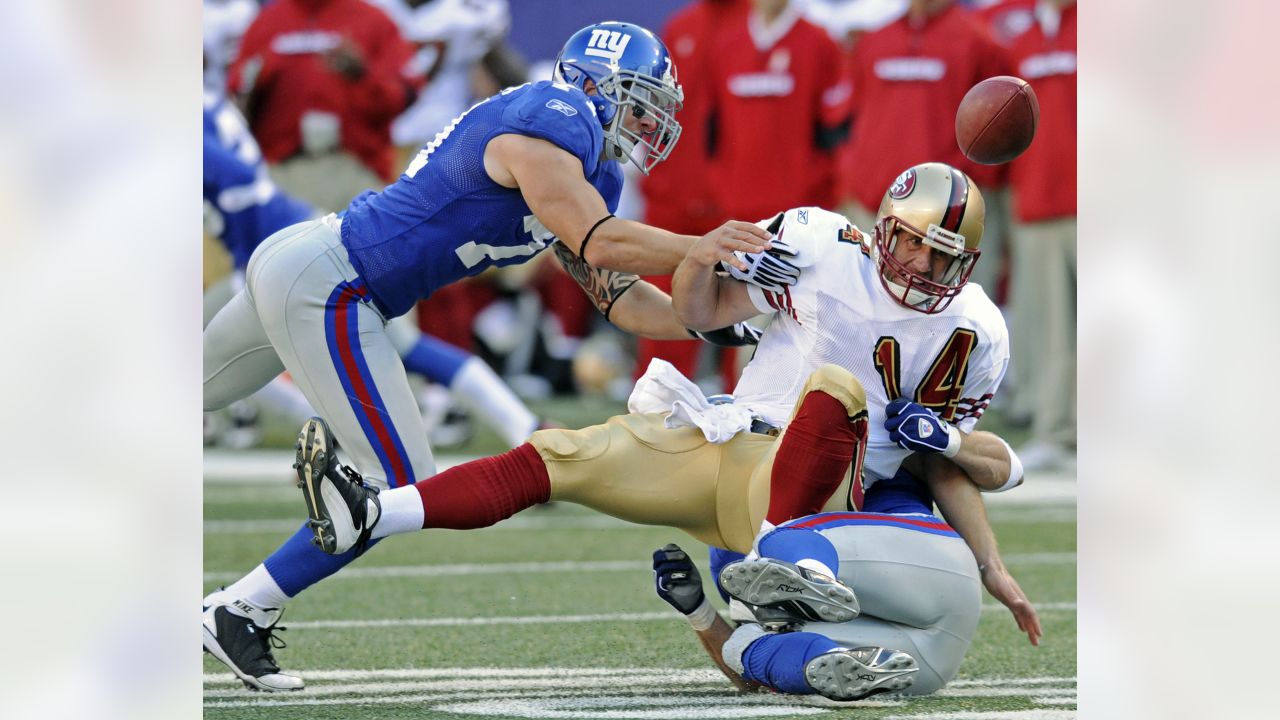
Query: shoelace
(269, 639)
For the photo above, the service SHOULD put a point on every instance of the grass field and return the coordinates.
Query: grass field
(552, 615)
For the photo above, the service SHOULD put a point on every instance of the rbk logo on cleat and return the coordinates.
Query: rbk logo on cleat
(789, 588)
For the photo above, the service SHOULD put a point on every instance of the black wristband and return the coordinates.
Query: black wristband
(582, 249)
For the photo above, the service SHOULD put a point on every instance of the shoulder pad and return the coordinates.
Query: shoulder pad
(812, 231)
(560, 114)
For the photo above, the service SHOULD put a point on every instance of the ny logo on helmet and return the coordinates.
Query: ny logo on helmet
(608, 44)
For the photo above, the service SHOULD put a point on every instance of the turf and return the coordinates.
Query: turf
(552, 615)
(451, 636)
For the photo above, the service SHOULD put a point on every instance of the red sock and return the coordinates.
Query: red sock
(816, 449)
(482, 492)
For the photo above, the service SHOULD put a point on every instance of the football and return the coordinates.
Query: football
(997, 120)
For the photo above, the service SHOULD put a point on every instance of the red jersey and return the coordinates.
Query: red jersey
(1044, 177)
(1007, 19)
(677, 192)
(776, 88)
(908, 81)
(282, 67)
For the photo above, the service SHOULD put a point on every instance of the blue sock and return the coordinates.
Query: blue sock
(435, 359)
(719, 558)
(778, 660)
(297, 564)
(793, 544)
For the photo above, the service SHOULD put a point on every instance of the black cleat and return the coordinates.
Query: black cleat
(246, 648)
(342, 508)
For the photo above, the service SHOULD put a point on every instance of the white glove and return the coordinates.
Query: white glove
(771, 270)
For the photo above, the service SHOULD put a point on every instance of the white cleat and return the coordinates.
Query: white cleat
(855, 674)
(780, 588)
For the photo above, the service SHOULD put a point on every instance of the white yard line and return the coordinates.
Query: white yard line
(653, 694)
(661, 616)
(993, 715)
(411, 571)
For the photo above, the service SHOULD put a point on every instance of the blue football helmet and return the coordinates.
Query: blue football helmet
(632, 72)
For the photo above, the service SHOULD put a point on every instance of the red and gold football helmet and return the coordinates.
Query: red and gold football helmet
(944, 209)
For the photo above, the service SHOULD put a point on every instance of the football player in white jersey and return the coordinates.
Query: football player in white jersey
(893, 307)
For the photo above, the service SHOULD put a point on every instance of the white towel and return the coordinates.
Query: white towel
(662, 389)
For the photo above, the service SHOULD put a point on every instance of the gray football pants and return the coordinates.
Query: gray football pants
(920, 593)
(305, 309)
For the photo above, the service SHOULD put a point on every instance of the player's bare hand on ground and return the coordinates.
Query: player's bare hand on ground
(720, 244)
(1004, 588)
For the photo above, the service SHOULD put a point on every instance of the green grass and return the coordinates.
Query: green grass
(624, 666)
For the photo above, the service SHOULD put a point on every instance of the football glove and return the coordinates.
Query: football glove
(736, 335)
(915, 428)
(771, 270)
(676, 579)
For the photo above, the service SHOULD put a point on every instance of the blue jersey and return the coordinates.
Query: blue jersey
(446, 219)
(241, 204)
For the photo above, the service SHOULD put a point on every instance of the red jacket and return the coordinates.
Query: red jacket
(774, 98)
(281, 67)
(677, 192)
(1044, 177)
(907, 83)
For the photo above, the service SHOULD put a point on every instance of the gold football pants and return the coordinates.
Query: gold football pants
(634, 468)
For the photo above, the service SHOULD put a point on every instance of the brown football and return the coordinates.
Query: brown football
(997, 120)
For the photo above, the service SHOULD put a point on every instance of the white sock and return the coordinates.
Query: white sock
(816, 566)
(401, 512)
(260, 591)
(480, 390)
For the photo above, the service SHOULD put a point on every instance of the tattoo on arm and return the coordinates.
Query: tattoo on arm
(604, 287)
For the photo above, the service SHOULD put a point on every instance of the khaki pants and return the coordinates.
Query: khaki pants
(327, 181)
(1043, 332)
(635, 468)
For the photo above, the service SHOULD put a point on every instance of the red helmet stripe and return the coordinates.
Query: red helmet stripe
(954, 215)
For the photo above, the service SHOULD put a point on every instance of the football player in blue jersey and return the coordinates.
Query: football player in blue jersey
(848, 605)
(242, 206)
(532, 167)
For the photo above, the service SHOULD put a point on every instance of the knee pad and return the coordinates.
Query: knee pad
(839, 384)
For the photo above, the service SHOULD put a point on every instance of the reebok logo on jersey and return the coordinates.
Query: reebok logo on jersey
(562, 107)
(802, 216)
(925, 429)
(608, 44)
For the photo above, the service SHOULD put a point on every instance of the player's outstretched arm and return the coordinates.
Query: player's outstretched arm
(552, 183)
(628, 302)
(988, 460)
(639, 307)
(961, 505)
(704, 299)
(678, 582)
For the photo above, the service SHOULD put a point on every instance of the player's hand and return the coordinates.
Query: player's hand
(676, 578)
(734, 236)
(736, 335)
(913, 427)
(771, 270)
(1004, 588)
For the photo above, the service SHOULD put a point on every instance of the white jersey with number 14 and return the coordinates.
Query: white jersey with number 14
(839, 312)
